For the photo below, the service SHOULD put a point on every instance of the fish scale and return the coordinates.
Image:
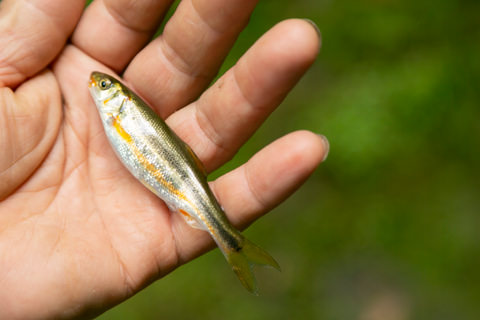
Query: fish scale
(169, 168)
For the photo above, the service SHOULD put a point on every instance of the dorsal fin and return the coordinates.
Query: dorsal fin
(197, 161)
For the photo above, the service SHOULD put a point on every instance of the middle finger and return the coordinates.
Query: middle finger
(177, 66)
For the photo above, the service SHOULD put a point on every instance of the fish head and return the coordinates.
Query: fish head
(107, 92)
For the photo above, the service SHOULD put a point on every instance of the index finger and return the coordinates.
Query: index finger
(32, 33)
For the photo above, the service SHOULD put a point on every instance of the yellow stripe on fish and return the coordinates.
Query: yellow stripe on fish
(151, 168)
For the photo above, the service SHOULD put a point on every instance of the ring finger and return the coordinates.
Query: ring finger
(227, 114)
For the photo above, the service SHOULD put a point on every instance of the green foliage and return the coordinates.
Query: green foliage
(387, 227)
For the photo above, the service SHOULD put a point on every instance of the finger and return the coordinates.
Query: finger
(234, 107)
(263, 182)
(32, 33)
(178, 65)
(30, 119)
(113, 31)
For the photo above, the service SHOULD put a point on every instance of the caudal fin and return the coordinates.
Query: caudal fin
(243, 260)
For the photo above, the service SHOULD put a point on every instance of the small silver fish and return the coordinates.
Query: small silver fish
(169, 168)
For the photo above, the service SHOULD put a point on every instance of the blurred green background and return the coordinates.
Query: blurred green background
(387, 227)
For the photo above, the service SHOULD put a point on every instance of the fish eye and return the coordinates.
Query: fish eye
(104, 84)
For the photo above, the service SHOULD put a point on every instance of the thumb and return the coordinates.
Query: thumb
(29, 122)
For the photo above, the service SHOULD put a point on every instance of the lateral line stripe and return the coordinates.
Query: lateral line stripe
(154, 171)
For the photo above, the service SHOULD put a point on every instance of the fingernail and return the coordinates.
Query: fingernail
(326, 146)
(314, 25)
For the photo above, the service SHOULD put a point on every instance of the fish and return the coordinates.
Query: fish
(169, 168)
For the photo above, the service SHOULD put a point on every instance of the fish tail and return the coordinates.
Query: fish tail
(242, 262)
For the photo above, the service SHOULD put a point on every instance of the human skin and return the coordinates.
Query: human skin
(78, 234)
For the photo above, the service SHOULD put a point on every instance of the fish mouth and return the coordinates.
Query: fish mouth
(92, 82)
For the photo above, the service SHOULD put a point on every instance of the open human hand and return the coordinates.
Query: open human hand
(78, 234)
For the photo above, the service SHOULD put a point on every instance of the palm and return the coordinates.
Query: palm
(74, 223)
